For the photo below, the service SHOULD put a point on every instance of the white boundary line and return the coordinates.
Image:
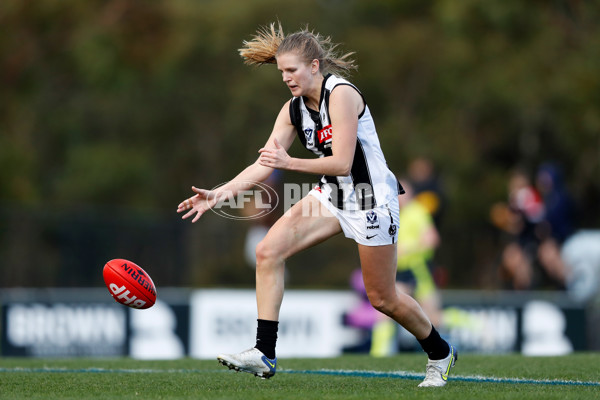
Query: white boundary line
(332, 372)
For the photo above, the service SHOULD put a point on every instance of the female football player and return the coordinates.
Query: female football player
(357, 193)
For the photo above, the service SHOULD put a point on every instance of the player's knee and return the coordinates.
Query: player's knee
(391, 304)
(380, 303)
(266, 252)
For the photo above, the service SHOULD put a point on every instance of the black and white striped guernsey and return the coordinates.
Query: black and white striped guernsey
(370, 183)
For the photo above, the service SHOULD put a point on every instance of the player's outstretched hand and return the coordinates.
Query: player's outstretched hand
(201, 202)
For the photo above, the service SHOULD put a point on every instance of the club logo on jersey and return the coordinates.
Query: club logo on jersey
(308, 134)
(325, 134)
(393, 229)
(372, 221)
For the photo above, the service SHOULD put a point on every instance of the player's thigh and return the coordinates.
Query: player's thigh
(378, 265)
(304, 225)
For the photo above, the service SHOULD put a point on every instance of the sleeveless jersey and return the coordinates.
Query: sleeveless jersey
(370, 183)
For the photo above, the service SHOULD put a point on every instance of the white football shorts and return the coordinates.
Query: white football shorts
(375, 227)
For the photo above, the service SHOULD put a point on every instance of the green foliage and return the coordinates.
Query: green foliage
(129, 103)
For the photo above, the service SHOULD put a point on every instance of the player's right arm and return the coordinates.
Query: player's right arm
(283, 133)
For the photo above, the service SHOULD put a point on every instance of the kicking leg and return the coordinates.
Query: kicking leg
(304, 225)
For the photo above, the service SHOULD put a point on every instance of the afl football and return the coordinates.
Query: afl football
(129, 284)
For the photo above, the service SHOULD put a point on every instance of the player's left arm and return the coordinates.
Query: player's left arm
(345, 104)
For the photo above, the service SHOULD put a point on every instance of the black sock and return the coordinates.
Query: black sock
(266, 337)
(435, 347)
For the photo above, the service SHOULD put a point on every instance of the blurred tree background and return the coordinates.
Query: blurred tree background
(110, 110)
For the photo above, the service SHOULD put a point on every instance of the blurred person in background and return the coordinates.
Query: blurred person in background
(357, 194)
(557, 224)
(427, 187)
(418, 238)
(558, 203)
(429, 190)
(518, 219)
(538, 219)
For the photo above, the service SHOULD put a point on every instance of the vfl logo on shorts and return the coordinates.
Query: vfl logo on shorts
(372, 220)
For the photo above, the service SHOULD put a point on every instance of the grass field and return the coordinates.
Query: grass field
(479, 377)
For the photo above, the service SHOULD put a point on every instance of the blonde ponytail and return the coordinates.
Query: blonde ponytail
(271, 41)
(263, 46)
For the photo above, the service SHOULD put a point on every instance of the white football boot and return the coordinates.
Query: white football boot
(252, 361)
(437, 371)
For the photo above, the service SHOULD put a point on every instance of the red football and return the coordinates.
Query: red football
(129, 284)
